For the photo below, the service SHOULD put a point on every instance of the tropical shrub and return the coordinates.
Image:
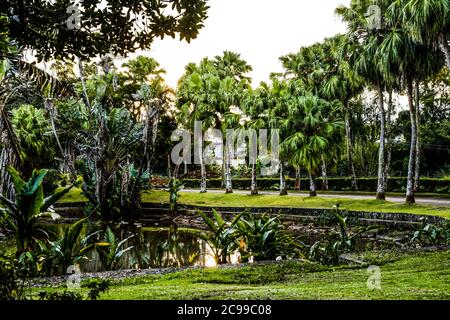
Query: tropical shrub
(265, 238)
(71, 248)
(110, 249)
(222, 236)
(430, 234)
(173, 188)
(95, 286)
(13, 279)
(22, 216)
(329, 251)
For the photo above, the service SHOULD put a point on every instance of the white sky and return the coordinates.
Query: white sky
(260, 30)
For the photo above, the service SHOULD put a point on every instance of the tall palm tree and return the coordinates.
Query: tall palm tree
(325, 70)
(255, 111)
(428, 22)
(342, 84)
(368, 61)
(209, 91)
(315, 129)
(194, 105)
(388, 54)
(412, 61)
(232, 70)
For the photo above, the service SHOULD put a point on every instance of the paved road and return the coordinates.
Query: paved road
(397, 199)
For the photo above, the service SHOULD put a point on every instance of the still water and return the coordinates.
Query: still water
(154, 247)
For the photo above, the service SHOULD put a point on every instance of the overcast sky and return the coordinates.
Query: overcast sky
(260, 30)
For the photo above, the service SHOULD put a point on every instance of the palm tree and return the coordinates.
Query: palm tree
(315, 129)
(368, 60)
(195, 104)
(412, 61)
(208, 92)
(428, 22)
(388, 54)
(343, 84)
(232, 70)
(278, 100)
(254, 108)
(325, 70)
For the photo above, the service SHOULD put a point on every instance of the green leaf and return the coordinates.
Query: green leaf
(16, 179)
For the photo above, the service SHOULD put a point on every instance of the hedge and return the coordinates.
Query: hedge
(395, 184)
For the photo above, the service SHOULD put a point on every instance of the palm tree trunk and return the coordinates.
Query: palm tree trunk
(388, 138)
(203, 177)
(83, 84)
(418, 147)
(283, 188)
(324, 175)
(298, 182)
(348, 136)
(254, 187)
(169, 168)
(381, 188)
(312, 186)
(67, 163)
(228, 182)
(412, 154)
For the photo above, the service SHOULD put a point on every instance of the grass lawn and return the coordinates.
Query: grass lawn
(414, 276)
(242, 200)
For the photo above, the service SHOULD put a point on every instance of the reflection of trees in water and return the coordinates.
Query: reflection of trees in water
(153, 247)
(164, 248)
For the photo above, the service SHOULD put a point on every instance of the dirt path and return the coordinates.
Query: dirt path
(397, 199)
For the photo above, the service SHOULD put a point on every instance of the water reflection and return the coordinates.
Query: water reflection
(155, 247)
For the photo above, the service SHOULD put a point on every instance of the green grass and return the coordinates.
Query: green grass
(75, 195)
(242, 200)
(414, 276)
(388, 194)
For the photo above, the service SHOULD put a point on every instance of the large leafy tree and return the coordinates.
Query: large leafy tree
(32, 129)
(57, 29)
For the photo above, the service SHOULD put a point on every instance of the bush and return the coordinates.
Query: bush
(13, 279)
(395, 184)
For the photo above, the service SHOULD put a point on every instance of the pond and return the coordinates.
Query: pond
(159, 243)
(154, 247)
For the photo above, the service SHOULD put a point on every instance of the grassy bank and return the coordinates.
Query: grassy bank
(242, 200)
(415, 276)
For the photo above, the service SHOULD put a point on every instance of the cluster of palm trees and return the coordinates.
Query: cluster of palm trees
(311, 101)
(109, 119)
(397, 56)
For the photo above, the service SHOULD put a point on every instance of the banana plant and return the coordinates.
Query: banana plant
(265, 238)
(110, 250)
(223, 235)
(22, 216)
